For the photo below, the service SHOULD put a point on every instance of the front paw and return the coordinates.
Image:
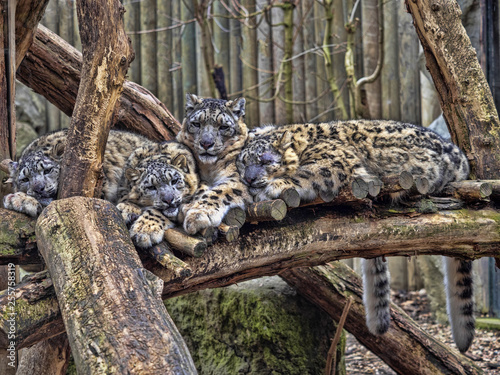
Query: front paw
(148, 230)
(200, 218)
(195, 221)
(21, 202)
(129, 212)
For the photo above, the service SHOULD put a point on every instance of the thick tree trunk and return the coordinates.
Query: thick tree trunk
(128, 329)
(52, 69)
(405, 347)
(464, 93)
(107, 54)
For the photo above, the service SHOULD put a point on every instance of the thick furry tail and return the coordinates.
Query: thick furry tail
(460, 301)
(376, 294)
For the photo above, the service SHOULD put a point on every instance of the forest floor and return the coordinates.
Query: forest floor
(485, 350)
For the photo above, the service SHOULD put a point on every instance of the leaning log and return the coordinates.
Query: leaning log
(52, 68)
(92, 261)
(405, 347)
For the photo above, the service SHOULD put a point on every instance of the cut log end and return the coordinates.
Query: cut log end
(291, 197)
(230, 233)
(359, 188)
(162, 254)
(235, 217)
(267, 210)
(406, 180)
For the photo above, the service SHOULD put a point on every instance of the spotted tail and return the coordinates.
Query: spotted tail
(376, 294)
(460, 301)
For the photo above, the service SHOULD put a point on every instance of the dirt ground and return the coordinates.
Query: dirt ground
(485, 350)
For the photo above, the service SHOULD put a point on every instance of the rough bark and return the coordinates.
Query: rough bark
(464, 94)
(406, 348)
(50, 357)
(128, 328)
(52, 69)
(107, 54)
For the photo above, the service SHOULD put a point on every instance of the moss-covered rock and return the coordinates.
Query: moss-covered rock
(257, 327)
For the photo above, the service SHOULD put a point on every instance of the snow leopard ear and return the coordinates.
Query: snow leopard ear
(286, 140)
(132, 174)
(237, 106)
(58, 150)
(180, 162)
(191, 101)
(11, 165)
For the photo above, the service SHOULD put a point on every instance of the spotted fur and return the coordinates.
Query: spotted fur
(157, 180)
(215, 132)
(318, 160)
(35, 177)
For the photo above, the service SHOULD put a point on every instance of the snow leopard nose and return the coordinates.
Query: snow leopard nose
(206, 141)
(167, 198)
(38, 187)
(251, 174)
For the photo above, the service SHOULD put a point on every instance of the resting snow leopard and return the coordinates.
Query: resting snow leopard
(215, 132)
(35, 176)
(157, 180)
(320, 159)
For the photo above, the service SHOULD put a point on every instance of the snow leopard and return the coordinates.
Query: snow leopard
(215, 131)
(35, 177)
(157, 180)
(319, 159)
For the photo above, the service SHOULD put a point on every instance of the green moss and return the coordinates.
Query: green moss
(258, 327)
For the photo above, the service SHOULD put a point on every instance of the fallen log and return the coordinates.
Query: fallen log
(406, 348)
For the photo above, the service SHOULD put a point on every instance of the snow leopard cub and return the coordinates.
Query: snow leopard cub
(215, 131)
(35, 177)
(319, 159)
(157, 180)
